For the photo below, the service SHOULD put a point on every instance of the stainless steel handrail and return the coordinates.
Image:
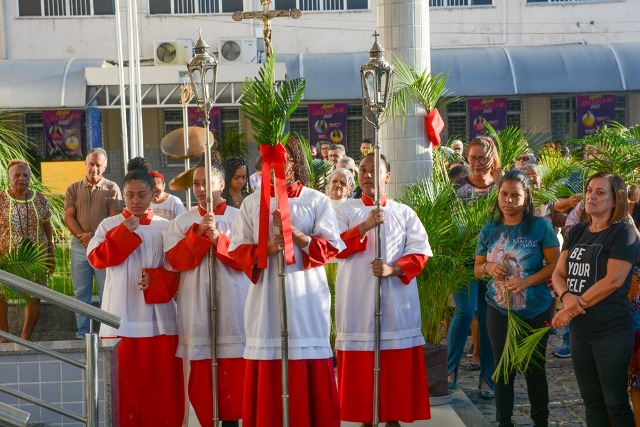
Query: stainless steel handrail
(13, 417)
(91, 348)
(61, 300)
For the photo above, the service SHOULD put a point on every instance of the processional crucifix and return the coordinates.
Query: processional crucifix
(266, 15)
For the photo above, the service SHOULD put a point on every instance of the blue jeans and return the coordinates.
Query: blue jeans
(565, 337)
(466, 300)
(601, 365)
(82, 274)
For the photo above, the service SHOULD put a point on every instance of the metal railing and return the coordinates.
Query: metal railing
(90, 365)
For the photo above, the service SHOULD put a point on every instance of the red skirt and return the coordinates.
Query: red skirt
(150, 377)
(230, 386)
(403, 386)
(313, 396)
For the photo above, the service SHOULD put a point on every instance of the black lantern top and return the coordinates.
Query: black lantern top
(203, 74)
(377, 82)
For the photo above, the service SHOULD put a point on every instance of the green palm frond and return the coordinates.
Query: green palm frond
(618, 147)
(560, 174)
(522, 349)
(420, 86)
(512, 142)
(269, 108)
(29, 261)
(317, 169)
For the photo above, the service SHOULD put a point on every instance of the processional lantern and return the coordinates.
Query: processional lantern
(377, 83)
(203, 70)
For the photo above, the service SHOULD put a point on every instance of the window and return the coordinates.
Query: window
(182, 7)
(514, 108)
(65, 7)
(229, 118)
(34, 132)
(322, 5)
(621, 109)
(563, 118)
(456, 120)
(459, 3)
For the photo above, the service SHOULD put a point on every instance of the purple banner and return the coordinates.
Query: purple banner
(593, 111)
(63, 134)
(328, 122)
(196, 118)
(486, 110)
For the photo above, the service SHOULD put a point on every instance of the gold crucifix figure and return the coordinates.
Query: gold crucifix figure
(266, 16)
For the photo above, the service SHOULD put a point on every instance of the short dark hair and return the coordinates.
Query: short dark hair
(367, 141)
(383, 158)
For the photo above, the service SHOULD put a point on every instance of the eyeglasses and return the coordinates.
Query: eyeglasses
(482, 160)
(134, 196)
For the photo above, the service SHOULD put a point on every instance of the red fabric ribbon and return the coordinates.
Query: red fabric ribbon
(433, 125)
(274, 155)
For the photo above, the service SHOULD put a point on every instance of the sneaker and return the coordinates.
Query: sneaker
(562, 352)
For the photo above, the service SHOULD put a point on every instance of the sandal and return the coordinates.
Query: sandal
(474, 367)
(487, 394)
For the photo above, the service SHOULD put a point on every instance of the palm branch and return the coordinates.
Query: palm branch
(560, 173)
(317, 169)
(522, 350)
(511, 142)
(420, 86)
(268, 107)
(29, 261)
(618, 147)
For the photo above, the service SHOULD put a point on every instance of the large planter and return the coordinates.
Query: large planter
(435, 360)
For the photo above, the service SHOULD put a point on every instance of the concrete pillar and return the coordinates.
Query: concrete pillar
(404, 29)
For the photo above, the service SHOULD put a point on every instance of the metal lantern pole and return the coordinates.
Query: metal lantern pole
(377, 81)
(203, 73)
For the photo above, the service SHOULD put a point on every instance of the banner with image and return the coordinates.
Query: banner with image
(486, 110)
(62, 134)
(328, 122)
(593, 111)
(196, 118)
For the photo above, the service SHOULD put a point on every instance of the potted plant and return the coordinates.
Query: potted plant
(452, 227)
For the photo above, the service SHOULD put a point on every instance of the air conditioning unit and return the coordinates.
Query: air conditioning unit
(172, 52)
(241, 50)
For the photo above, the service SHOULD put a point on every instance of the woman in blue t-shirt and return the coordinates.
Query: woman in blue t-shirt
(593, 277)
(518, 252)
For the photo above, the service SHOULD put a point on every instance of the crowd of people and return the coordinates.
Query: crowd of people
(568, 263)
(571, 263)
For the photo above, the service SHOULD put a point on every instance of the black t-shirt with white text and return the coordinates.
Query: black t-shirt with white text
(586, 264)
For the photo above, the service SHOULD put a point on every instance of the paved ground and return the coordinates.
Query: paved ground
(565, 405)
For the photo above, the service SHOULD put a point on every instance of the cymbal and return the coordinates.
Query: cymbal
(173, 143)
(183, 181)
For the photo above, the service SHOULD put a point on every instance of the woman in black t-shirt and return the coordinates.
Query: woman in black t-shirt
(592, 278)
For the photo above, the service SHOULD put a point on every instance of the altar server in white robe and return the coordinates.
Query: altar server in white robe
(140, 290)
(313, 399)
(187, 243)
(405, 250)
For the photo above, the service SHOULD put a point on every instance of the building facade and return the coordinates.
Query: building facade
(536, 56)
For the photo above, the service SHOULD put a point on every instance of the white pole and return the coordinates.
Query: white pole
(133, 116)
(123, 95)
(136, 33)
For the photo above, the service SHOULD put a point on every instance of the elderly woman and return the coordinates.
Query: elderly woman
(340, 186)
(24, 217)
(593, 277)
(484, 163)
